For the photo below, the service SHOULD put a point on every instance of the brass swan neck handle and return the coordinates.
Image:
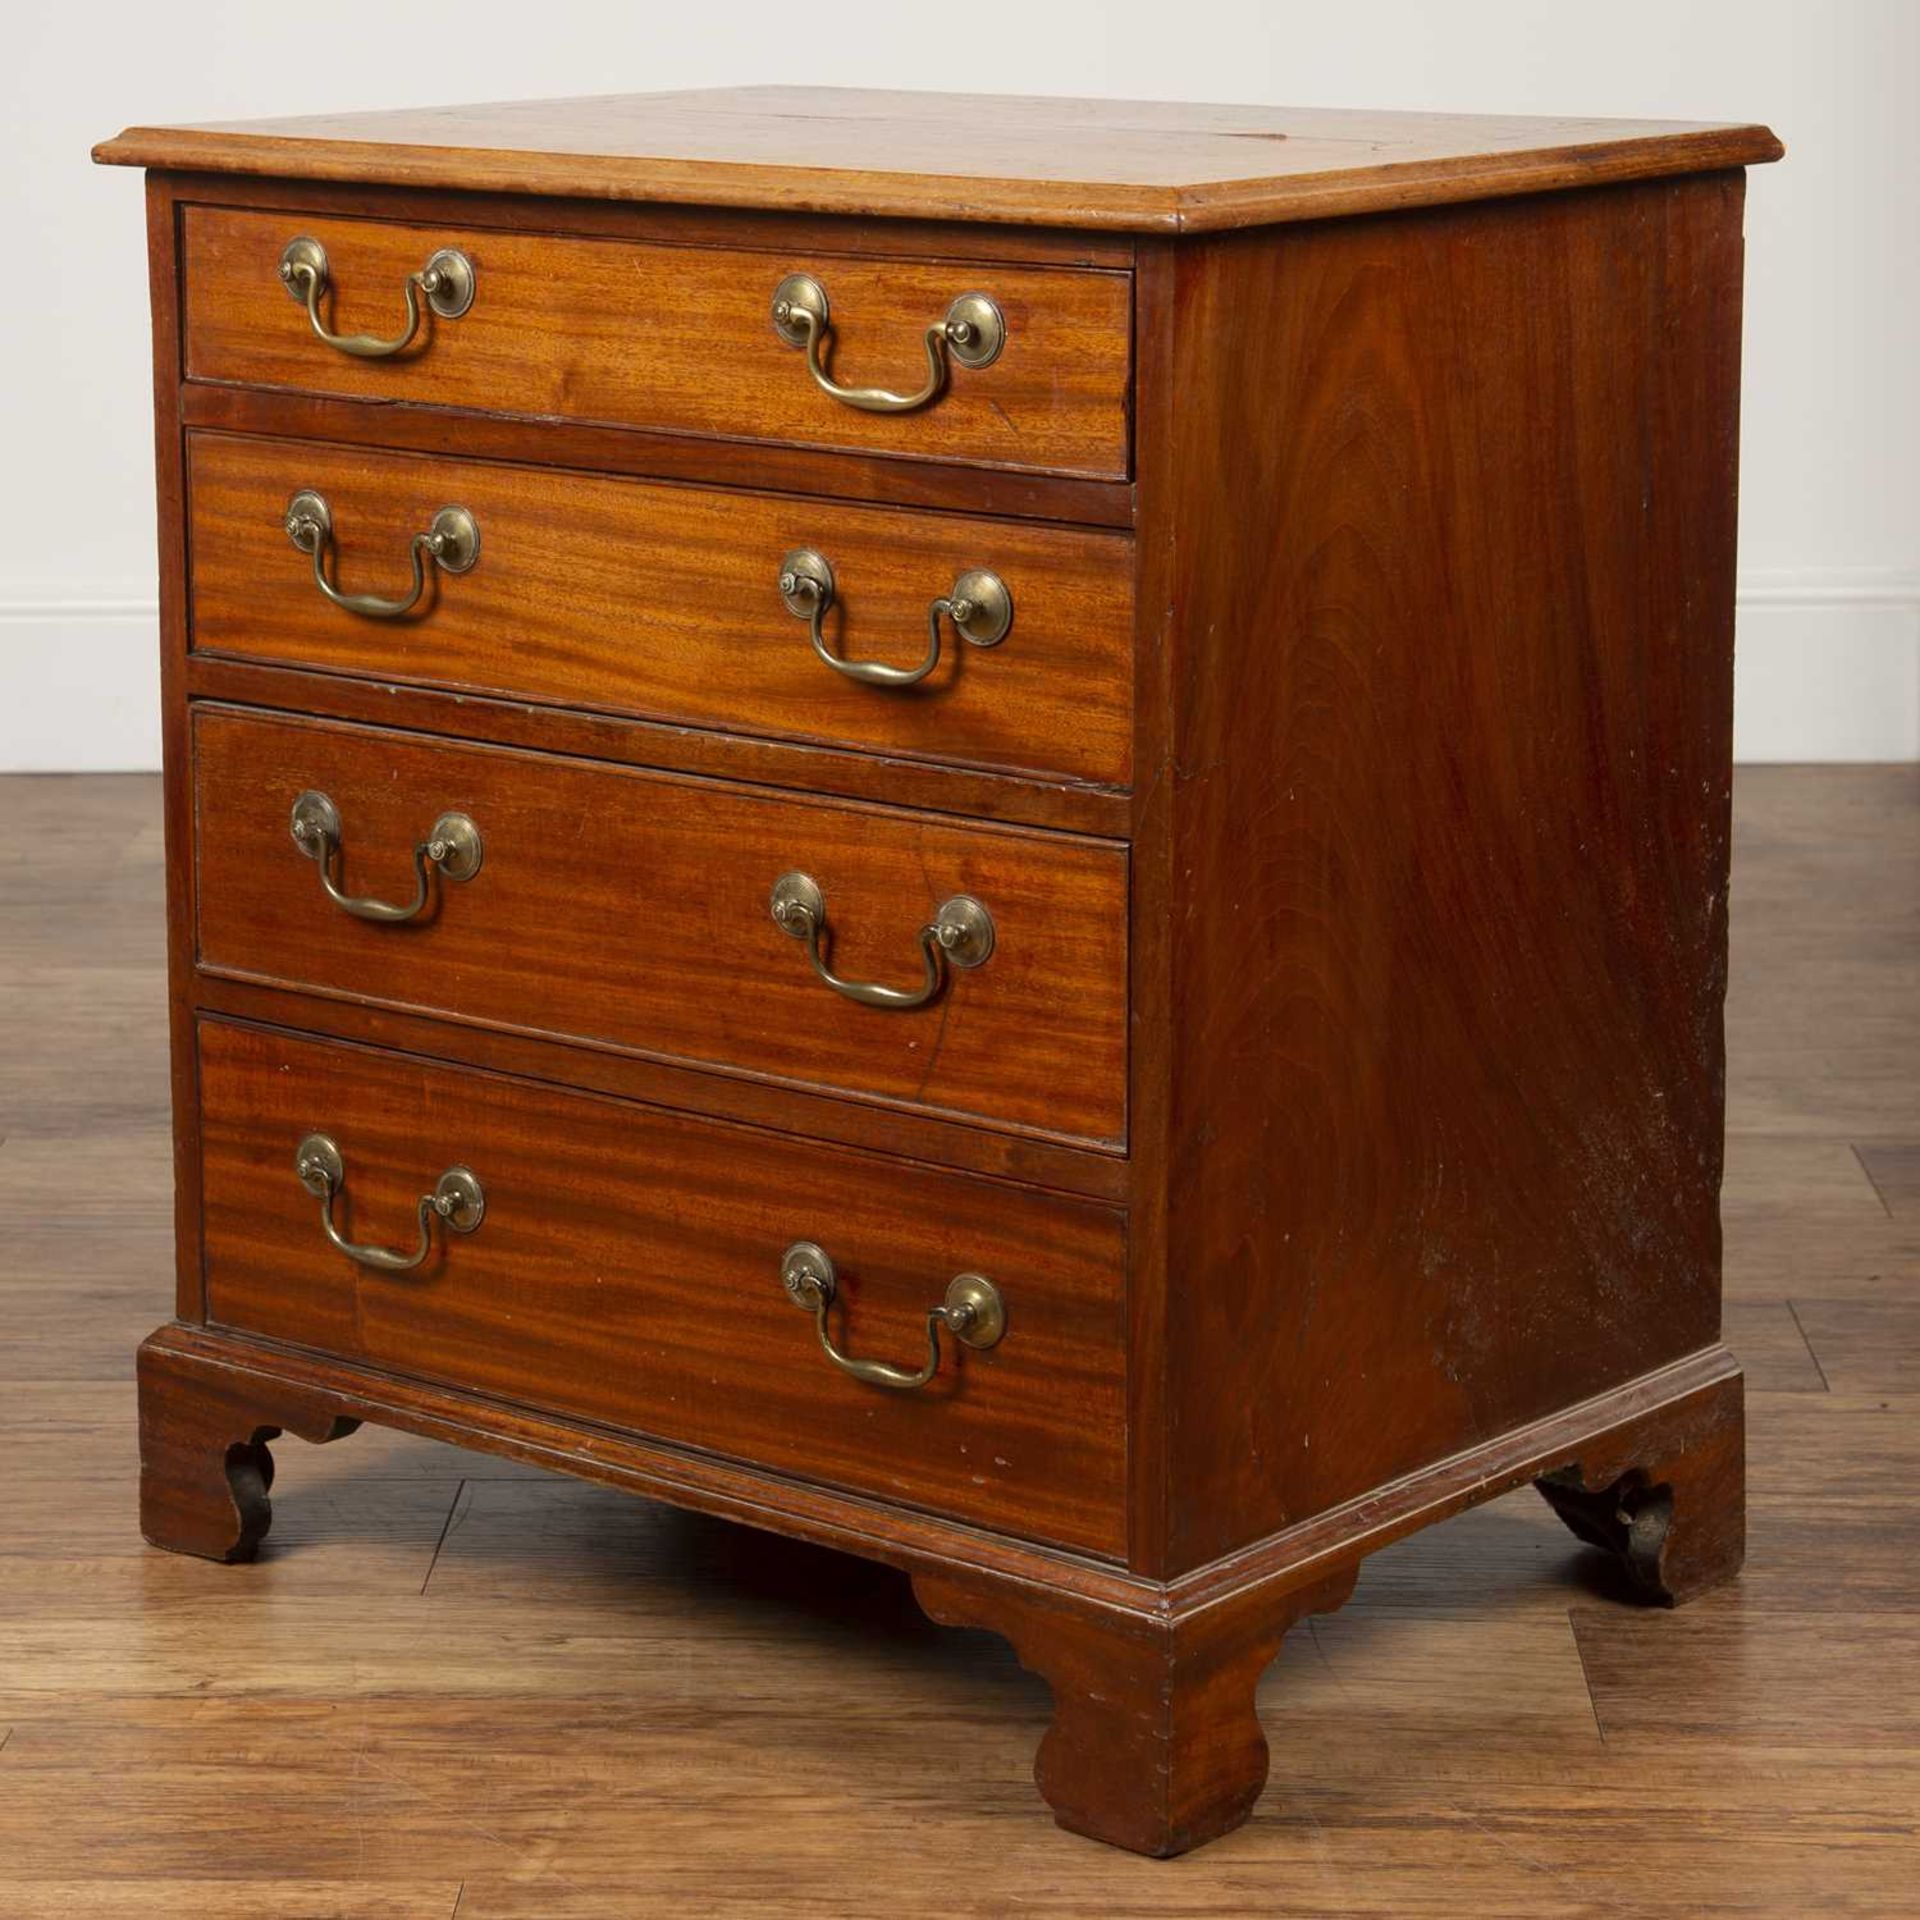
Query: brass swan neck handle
(453, 849)
(451, 540)
(443, 287)
(971, 333)
(960, 934)
(458, 1201)
(978, 604)
(972, 1312)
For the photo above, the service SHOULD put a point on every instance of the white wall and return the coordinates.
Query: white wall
(1830, 513)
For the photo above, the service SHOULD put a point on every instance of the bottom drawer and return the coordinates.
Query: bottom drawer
(627, 1269)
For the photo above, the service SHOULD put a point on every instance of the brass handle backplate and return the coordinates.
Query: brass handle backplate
(453, 849)
(979, 606)
(972, 333)
(444, 286)
(458, 1201)
(973, 1312)
(451, 541)
(960, 934)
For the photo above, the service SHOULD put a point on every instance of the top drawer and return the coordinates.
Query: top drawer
(673, 338)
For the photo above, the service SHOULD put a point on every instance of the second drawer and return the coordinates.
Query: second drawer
(635, 910)
(628, 596)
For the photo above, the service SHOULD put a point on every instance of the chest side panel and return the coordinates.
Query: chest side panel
(1452, 590)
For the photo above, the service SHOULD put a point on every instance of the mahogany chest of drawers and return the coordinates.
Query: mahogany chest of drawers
(991, 830)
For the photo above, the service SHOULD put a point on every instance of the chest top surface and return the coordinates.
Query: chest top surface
(1126, 165)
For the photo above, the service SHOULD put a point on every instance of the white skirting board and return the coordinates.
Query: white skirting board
(1827, 669)
(79, 681)
(1826, 666)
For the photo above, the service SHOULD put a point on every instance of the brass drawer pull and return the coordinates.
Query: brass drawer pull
(960, 934)
(979, 606)
(452, 848)
(457, 1200)
(973, 1312)
(451, 541)
(446, 281)
(972, 333)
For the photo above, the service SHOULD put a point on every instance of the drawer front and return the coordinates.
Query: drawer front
(679, 339)
(632, 909)
(626, 1269)
(631, 597)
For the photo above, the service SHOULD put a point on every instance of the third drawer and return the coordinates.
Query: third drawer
(634, 910)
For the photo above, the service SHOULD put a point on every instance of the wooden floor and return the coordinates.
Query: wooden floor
(454, 1687)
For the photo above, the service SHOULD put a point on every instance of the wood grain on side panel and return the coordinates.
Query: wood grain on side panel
(1451, 759)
